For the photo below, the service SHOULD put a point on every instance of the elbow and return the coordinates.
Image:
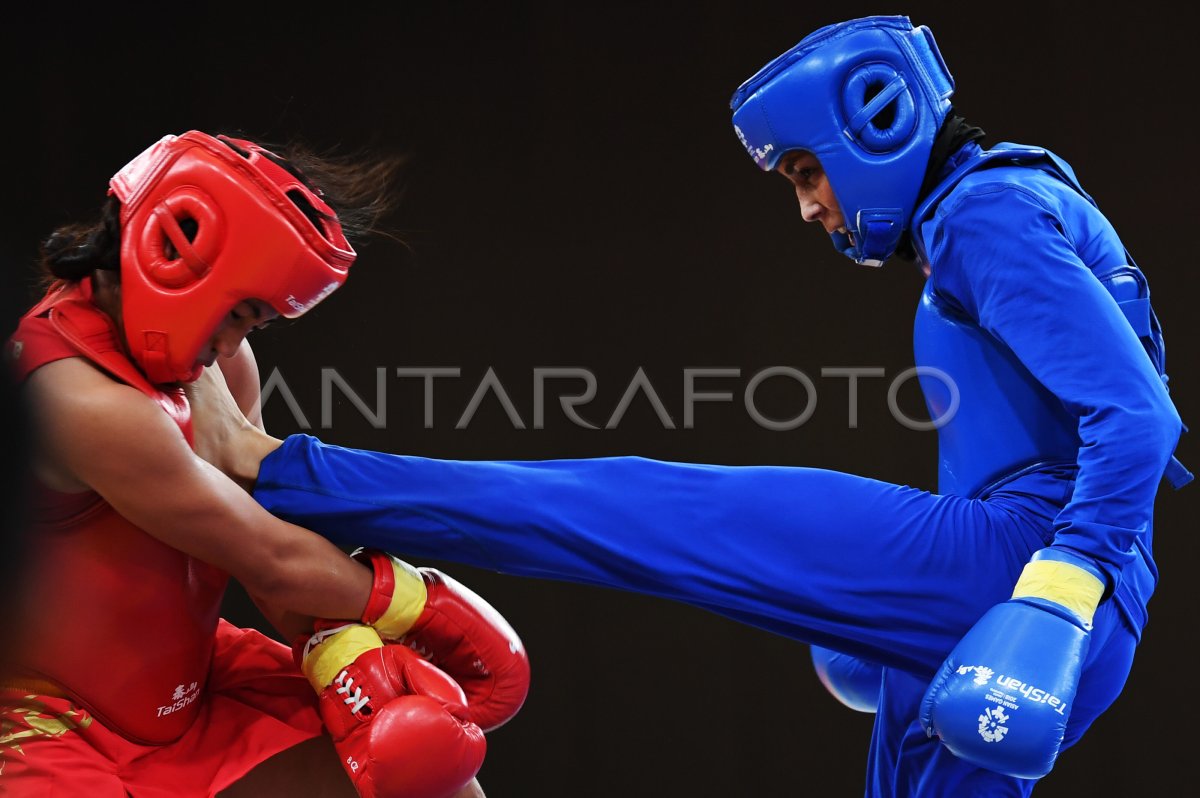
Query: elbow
(1154, 434)
(270, 585)
(1167, 427)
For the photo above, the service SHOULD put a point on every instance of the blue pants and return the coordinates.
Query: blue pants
(885, 572)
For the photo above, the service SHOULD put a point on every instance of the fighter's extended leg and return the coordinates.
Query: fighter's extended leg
(871, 568)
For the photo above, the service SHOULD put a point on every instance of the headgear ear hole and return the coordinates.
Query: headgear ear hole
(887, 117)
(180, 239)
(879, 107)
(188, 226)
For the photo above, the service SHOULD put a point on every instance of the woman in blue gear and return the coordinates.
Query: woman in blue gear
(1056, 430)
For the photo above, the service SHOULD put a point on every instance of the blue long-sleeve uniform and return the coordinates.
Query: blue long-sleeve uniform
(1061, 436)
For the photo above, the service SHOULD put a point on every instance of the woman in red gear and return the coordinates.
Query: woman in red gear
(123, 680)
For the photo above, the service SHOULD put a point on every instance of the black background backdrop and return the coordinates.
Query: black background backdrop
(575, 197)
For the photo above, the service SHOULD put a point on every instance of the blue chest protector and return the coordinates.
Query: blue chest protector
(999, 418)
(1003, 419)
(1026, 320)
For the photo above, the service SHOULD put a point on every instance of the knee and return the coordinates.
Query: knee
(852, 681)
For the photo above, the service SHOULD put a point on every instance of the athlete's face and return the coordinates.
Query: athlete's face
(815, 195)
(247, 315)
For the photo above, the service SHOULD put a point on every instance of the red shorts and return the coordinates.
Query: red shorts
(257, 704)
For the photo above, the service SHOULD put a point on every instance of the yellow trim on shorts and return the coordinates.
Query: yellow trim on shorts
(29, 718)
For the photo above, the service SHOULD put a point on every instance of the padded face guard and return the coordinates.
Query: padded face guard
(247, 239)
(867, 97)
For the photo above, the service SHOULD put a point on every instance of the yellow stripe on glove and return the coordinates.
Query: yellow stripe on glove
(407, 604)
(1062, 583)
(329, 651)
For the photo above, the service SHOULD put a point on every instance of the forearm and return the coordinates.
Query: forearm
(1121, 465)
(288, 624)
(305, 575)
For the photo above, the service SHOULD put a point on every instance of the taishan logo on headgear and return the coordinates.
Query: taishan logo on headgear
(755, 152)
(301, 307)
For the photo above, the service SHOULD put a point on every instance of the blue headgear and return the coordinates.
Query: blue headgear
(867, 97)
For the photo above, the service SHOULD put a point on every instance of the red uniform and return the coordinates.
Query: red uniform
(123, 676)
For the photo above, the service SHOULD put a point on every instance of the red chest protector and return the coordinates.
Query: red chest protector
(122, 623)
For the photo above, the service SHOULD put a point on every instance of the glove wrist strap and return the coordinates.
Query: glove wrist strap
(1068, 585)
(329, 651)
(398, 594)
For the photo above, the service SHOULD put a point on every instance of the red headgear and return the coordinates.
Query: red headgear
(252, 241)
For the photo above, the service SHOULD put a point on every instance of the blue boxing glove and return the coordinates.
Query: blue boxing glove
(854, 682)
(1003, 696)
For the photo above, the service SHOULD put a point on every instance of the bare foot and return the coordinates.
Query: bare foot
(223, 435)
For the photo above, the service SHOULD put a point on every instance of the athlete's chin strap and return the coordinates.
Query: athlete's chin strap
(880, 230)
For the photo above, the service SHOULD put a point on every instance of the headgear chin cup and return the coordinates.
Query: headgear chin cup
(251, 241)
(867, 97)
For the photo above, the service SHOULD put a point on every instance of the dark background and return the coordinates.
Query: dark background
(575, 197)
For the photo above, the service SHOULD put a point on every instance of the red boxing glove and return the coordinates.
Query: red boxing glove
(461, 634)
(467, 638)
(398, 723)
